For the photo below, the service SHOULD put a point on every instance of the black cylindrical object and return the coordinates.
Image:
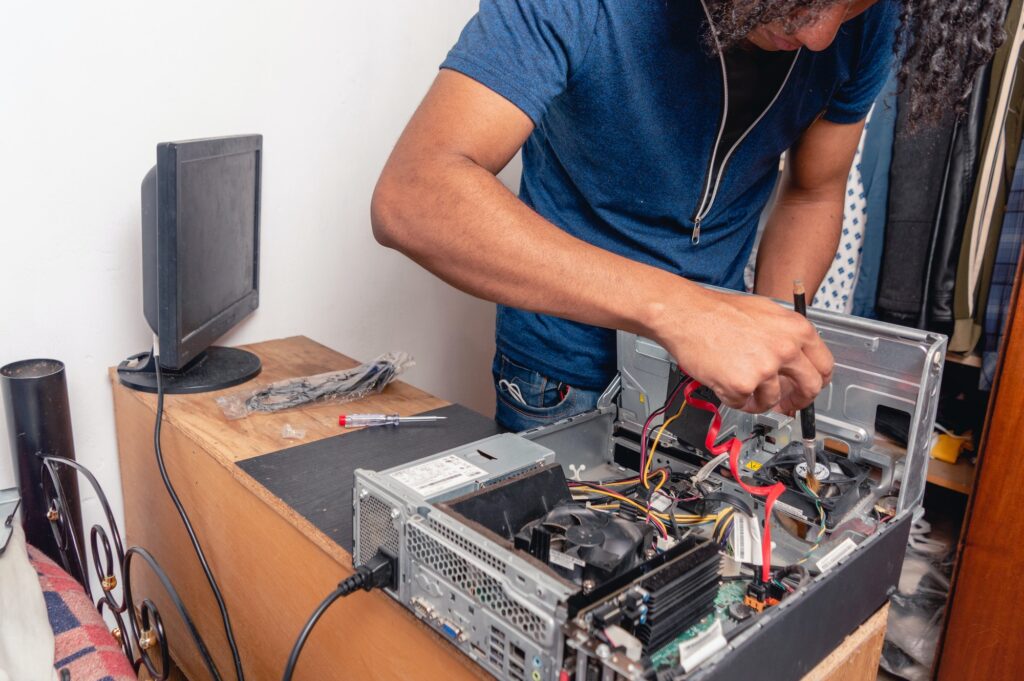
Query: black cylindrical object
(35, 395)
(808, 428)
(807, 420)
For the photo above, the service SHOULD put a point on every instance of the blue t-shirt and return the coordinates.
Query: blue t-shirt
(627, 103)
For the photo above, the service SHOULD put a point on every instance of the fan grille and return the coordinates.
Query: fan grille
(376, 528)
(483, 588)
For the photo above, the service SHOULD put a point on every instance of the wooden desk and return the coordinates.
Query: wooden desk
(274, 566)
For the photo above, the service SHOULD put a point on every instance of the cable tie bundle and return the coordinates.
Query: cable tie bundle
(333, 386)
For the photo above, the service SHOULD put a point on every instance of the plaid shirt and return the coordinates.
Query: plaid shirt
(1001, 289)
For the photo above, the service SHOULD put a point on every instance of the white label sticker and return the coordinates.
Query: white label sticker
(694, 652)
(828, 561)
(661, 502)
(565, 560)
(439, 475)
(745, 539)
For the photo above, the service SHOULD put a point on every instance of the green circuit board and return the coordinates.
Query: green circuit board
(728, 594)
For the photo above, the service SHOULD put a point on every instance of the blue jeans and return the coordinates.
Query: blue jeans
(526, 399)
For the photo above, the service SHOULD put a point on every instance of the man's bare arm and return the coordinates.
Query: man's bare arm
(802, 233)
(438, 201)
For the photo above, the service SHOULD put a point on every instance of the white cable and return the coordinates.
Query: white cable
(513, 390)
(709, 468)
(919, 541)
(611, 391)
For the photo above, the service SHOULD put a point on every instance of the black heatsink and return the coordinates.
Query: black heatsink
(681, 594)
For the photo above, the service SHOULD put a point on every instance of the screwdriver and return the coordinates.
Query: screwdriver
(359, 420)
(807, 419)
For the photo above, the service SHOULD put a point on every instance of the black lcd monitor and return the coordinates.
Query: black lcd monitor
(200, 262)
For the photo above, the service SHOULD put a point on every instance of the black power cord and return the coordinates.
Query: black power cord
(228, 632)
(378, 572)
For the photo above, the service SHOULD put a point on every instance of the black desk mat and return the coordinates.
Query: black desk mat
(316, 479)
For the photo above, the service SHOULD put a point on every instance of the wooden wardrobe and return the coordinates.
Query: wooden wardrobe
(984, 633)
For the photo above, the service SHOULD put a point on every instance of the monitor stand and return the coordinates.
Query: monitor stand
(215, 369)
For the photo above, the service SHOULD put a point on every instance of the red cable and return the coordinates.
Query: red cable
(733, 446)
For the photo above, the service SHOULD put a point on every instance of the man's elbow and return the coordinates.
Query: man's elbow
(386, 211)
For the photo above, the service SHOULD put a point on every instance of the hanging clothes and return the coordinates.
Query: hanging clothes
(1002, 140)
(875, 161)
(1004, 269)
(836, 291)
(960, 175)
(917, 179)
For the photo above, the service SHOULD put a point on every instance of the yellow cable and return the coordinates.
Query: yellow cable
(657, 521)
(687, 519)
(620, 482)
(723, 521)
(714, 530)
(657, 439)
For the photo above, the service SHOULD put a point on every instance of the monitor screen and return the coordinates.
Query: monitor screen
(200, 242)
(216, 215)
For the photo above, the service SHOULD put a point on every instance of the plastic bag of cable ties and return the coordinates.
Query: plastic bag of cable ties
(330, 387)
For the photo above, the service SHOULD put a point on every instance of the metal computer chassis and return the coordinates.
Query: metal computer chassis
(515, 618)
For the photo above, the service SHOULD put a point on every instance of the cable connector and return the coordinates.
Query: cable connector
(757, 595)
(378, 572)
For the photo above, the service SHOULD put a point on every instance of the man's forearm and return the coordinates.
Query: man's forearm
(799, 242)
(802, 234)
(457, 220)
(463, 225)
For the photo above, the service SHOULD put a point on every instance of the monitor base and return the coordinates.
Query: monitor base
(215, 369)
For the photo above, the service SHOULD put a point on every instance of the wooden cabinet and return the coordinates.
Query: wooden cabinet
(984, 633)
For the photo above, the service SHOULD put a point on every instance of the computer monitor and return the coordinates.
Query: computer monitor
(200, 262)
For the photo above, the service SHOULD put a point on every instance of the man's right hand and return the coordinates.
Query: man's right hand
(755, 354)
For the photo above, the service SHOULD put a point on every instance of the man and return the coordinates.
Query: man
(651, 132)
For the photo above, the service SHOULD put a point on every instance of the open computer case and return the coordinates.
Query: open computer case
(503, 548)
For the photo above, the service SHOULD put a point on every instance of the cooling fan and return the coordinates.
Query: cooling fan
(843, 484)
(585, 545)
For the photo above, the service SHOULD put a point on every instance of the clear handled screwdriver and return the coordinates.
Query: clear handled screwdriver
(360, 420)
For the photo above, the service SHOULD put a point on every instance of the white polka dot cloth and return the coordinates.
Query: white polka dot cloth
(836, 292)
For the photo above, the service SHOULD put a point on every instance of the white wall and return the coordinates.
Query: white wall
(87, 90)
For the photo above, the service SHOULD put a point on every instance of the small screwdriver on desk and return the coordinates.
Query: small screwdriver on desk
(360, 420)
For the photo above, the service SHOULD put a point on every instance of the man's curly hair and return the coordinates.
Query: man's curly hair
(943, 43)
